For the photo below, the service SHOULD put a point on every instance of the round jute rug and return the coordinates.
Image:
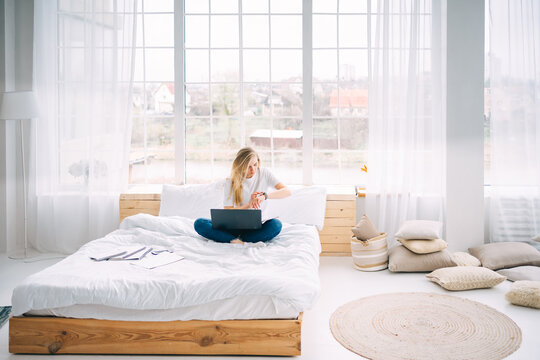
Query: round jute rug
(424, 326)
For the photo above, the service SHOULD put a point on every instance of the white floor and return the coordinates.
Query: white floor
(340, 284)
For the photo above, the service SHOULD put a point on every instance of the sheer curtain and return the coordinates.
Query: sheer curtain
(514, 72)
(83, 71)
(406, 165)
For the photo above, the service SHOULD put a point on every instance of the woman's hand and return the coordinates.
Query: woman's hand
(256, 199)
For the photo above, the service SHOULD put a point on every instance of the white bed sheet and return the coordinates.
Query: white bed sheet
(285, 270)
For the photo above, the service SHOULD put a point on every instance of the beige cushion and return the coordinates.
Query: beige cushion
(525, 293)
(465, 278)
(424, 246)
(420, 229)
(505, 255)
(400, 259)
(365, 229)
(465, 259)
(536, 238)
(521, 273)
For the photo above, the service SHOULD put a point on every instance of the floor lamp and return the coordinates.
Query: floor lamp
(19, 106)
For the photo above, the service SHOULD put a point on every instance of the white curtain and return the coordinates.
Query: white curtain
(514, 74)
(406, 165)
(83, 72)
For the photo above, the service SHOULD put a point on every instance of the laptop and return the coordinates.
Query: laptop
(236, 219)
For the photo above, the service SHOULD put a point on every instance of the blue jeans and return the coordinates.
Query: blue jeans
(266, 233)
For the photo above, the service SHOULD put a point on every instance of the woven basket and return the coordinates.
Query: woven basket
(370, 255)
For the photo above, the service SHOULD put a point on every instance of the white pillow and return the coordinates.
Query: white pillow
(420, 230)
(306, 205)
(536, 238)
(191, 201)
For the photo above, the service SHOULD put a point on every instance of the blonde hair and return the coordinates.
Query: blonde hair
(239, 170)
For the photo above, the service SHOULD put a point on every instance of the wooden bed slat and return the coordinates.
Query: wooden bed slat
(51, 335)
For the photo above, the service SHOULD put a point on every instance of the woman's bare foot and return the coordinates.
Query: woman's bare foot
(237, 241)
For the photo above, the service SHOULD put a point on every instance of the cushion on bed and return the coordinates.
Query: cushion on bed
(424, 246)
(400, 259)
(531, 273)
(465, 278)
(536, 238)
(505, 255)
(365, 229)
(306, 205)
(462, 258)
(191, 201)
(525, 293)
(420, 229)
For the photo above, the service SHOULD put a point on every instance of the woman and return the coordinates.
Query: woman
(246, 189)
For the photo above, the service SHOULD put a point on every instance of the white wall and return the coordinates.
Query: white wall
(464, 119)
(16, 24)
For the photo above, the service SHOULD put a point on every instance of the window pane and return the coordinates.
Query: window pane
(325, 133)
(286, 6)
(196, 62)
(287, 31)
(197, 100)
(255, 31)
(324, 6)
(353, 65)
(353, 101)
(256, 100)
(256, 65)
(255, 6)
(325, 65)
(326, 169)
(324, 31)
(198, 167)
(288, 167)
(198, 132)
(227, 133)
(353, 31)
(225, 65)
(339, 168)
(159, 30)
(286, 100)
(224, 31)
(159, 64)
(257, 133)
(160, 98)
(353, 133)
(196, 31)
(325, 101)
(71, 32)
(159, 5)
(71, 64)
(288, 133)
(354, 6)
(225, 99)
(286, 65)
(196, 6)
(224, 6)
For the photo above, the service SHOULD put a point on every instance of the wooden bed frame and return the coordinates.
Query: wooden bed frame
(278, 337)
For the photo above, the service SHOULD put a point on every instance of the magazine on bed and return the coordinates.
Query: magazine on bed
(144, 256)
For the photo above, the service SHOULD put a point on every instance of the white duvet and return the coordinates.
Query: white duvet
(285, 269)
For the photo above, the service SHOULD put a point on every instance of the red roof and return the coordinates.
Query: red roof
(349, 98)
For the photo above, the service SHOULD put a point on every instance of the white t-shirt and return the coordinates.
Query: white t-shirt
(261, 181)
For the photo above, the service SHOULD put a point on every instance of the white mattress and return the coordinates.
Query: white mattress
(280, 277)
(240, 307)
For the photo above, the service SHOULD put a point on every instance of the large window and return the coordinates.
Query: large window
(242, 65)
(152, 155)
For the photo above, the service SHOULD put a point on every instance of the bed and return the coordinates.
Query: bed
(281, 280)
